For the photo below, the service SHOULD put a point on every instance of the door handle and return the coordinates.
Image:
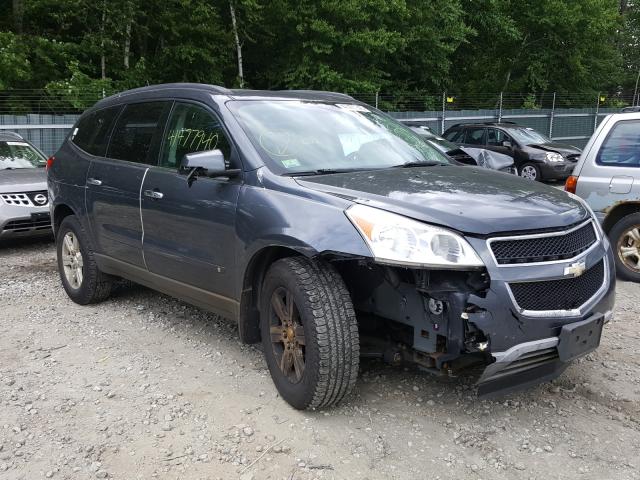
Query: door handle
(94, 181)
(153, 194)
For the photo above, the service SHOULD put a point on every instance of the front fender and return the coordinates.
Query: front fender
(269, 218)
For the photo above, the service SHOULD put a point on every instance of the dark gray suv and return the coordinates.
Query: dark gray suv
(328, 231)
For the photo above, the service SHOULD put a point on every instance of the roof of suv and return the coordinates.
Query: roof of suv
(194, 88)
(9, 136)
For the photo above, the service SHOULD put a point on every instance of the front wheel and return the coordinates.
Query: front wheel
(309, 332)
(625, 240)
(530, 172)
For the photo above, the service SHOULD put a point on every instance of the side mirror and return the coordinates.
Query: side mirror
(506, 143)
(210, 164)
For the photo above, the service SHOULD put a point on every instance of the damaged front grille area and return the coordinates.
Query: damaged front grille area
(544, 247)
(563, 294)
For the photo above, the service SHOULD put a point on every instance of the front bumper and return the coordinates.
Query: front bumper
(526, 347)
(19, 221)
(556, 170)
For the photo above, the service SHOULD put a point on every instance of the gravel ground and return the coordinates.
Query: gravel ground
(143, 386)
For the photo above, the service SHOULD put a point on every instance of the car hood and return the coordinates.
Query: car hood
(561, 148)
(471, 200)
(23, 180)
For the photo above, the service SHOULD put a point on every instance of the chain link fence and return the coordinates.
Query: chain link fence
(45, 117)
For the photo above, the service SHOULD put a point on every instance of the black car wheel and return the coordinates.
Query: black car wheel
(309, 332)
(81, 278)
(530, 172)
(625, 240)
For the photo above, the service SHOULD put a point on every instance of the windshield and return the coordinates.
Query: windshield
(299, 136)
(528, 136)
(441, 143)
(14, 155)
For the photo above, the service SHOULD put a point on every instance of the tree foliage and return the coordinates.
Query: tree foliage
(420, 46)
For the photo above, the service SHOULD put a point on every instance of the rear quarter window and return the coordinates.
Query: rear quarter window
(621, 148)
(92, 132)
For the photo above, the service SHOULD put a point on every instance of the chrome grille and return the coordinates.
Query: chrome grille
(544, 247)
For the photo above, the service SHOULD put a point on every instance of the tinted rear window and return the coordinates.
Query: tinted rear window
(622, 146)
(137, 130)
(92, 131)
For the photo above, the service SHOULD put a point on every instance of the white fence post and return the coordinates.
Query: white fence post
(553, 111)
(595, 119)
(444, 109)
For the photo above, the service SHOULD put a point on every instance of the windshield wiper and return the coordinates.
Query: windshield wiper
(323, 171)
(418, 164)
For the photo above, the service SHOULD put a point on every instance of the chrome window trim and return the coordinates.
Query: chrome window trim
(576, 312)
(545, 235)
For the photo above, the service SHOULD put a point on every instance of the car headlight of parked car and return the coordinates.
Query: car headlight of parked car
(553, 157)
(395, 239)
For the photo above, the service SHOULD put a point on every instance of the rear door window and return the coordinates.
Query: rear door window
(621, 148)
(137, 132)
(92, 132)
(475, 136)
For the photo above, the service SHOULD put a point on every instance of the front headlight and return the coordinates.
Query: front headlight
(398, 240)
(554, 157)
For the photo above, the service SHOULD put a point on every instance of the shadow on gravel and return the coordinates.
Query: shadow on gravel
(16, 245)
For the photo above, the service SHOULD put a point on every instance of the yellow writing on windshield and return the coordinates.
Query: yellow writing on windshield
(195, 140)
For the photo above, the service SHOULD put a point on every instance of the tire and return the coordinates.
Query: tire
(323, 313)
(625, 239)
(92, 286)
(530, 171)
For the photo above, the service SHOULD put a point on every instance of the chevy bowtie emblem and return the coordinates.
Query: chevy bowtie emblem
(575, 269)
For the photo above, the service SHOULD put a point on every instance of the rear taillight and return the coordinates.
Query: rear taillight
(50, 161)
(571, 184)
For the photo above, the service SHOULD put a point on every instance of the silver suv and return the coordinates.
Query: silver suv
(607, 176)
(24, 202)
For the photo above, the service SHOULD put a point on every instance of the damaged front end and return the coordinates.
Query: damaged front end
(518, 321)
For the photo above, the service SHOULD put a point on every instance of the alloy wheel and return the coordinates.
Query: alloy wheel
(629, 248)
(72, 261)
(529, 172)
(287, 335)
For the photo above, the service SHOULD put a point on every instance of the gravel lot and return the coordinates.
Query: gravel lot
(143, 386)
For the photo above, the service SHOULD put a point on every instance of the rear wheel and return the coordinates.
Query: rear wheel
(309, 332)
(530, 172)
(625, 240)
(81, 278)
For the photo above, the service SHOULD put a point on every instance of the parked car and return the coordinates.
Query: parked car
(634, 109)
(468, 156)
(24, 205)
(536, 156)
(607, 177)
(316, 221)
